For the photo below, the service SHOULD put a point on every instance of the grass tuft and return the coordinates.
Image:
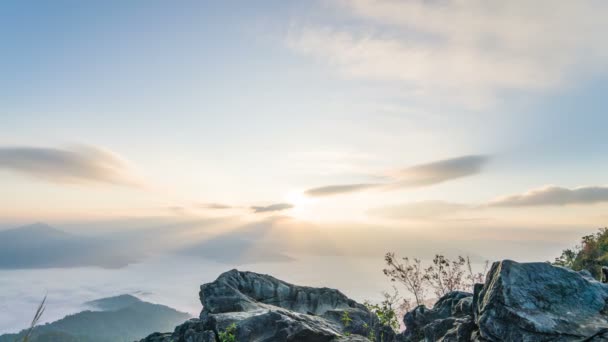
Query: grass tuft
(35, 320)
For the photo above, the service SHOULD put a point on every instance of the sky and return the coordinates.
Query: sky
(417, 126)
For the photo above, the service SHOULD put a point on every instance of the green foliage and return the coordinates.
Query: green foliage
(228, 335)
(370, 334)
(591, 254)
(385, 310)
(346, 321)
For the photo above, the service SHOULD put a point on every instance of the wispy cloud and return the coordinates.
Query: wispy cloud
(545, 196)
(554, 195)
(440, 171)
(81, 164)
(415, 176)
(338, 189)
(215, 206)
(464, 49)
(272, 208)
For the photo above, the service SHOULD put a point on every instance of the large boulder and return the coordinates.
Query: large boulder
(450, 319)
(236, 291)
(261, 308)
(539, 302)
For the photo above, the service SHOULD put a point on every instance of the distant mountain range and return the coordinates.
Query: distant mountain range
(42, 246)
(115, 319)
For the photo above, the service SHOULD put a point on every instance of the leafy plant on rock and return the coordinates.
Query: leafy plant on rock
(389, 309)
(229, 334)
(346, 321)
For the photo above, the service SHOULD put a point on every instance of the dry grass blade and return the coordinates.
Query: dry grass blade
(35, 320)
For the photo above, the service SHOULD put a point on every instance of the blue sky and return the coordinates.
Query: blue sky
(251, 105)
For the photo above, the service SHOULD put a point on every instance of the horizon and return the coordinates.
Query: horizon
(306, 139)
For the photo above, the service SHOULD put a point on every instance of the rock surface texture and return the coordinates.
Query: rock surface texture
(539, 302)
(518, 302)
(254, 307)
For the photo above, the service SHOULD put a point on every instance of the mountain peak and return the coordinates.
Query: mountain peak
(40, 228)
(37, 226)
(113, 303)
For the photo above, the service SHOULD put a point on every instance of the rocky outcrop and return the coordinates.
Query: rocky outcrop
(518, 302)
(256, 307)
(539, 302)
(451, 316)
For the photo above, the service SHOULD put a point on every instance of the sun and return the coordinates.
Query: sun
(297, 198)
(301, 204)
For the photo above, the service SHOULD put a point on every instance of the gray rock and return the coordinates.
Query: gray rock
(586, 274)
(190, 331)
(158, 337)
(352, 338)
(193, 331)
(539, 302)
(267, 309)
(275, 325)
(261, 308)
(462, 330)
(236, 291)
(519, 302)
(443, 321)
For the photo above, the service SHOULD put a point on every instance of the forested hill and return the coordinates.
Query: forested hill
(115, 319)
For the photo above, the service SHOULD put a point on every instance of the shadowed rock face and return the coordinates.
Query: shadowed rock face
(450, 319)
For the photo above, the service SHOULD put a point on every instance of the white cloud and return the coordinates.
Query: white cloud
(338, 189)
(415, 176)
(272, 208)
(216, 206)
(440, 171)
(465, 50)
(554, 195)
(80, 164)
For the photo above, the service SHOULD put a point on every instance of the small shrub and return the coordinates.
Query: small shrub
(346, 320)
(443, 275)
(389, 309)
(591, 254)
(409, 273)
(228, 335)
